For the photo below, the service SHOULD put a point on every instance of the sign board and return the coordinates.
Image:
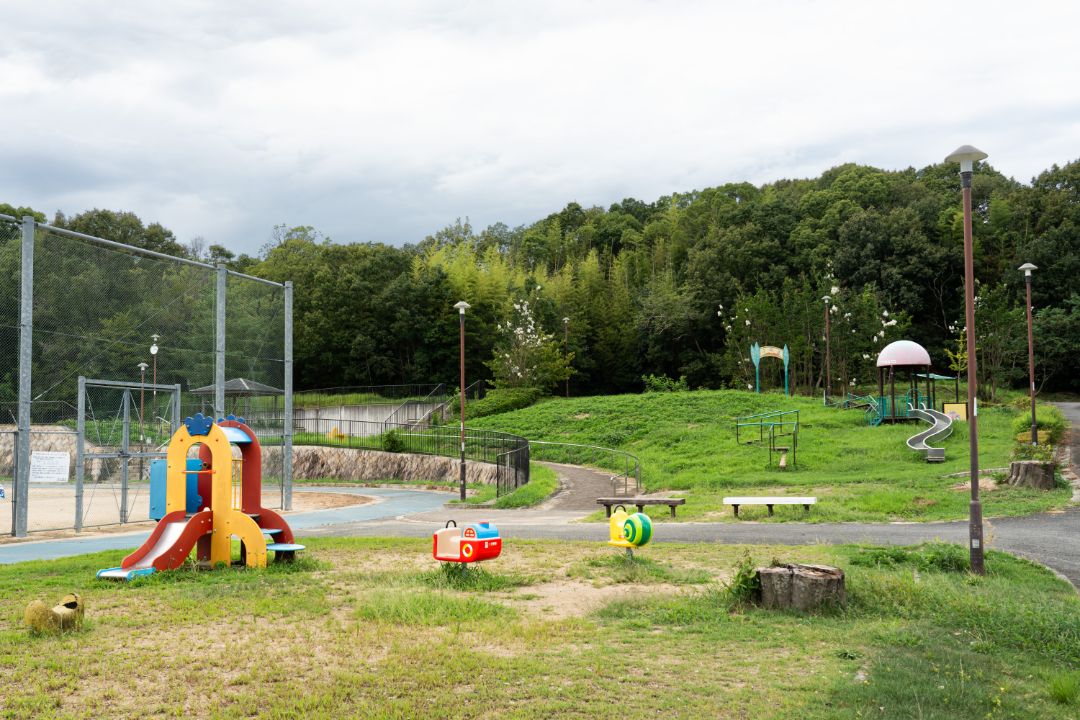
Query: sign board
(957, 411)
(49, 467)
(772, 351)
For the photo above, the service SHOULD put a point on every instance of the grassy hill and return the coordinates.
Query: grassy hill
(686, 442)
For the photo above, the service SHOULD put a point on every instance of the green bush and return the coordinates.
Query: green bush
(500, 401)
(937, 556)
(1048, 419)
(392, 442)
(662, 383)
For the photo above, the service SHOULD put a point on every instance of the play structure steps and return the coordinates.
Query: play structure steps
(940, 428)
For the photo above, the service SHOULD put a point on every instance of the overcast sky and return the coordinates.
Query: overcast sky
(386, 121)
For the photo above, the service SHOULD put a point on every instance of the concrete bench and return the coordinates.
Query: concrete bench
(640, 503)
(735, 502)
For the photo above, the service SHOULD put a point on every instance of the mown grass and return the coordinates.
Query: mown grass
(686, 442)
(374, 628)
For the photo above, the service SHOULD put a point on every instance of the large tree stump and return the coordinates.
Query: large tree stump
(802, 587)
(1032, 473)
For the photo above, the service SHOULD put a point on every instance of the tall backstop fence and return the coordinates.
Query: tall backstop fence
(98, 340)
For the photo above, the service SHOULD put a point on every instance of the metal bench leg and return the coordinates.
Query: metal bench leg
(641, 508)
(806, 508)
(608, 509)
(672, 507)
(770, 510)
(736, 507)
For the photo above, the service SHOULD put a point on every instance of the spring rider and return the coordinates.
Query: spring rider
(472, 543)
(629, 531)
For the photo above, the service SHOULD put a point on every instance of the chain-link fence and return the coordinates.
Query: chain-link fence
(106, 311)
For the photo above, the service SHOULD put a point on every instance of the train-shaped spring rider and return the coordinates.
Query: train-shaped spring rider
(629, 531)
(468, 544)
(179, 489)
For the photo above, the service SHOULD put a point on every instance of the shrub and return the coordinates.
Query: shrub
(744, 587)
(662, 383)
(500, 401)
(392, 442)
(1048, 419)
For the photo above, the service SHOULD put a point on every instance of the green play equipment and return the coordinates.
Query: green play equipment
(757, 352)
(774, 427)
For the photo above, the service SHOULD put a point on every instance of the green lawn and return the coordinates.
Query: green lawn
(373, 628)
(686, 442)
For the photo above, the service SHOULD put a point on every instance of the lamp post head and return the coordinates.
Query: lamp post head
(566, 321)
(966, 155)
(1027, 268)
(153, 349)
(142, 367)
(826, 298)
(461, 306)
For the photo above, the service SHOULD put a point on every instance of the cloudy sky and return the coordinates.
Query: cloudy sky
(385, 121)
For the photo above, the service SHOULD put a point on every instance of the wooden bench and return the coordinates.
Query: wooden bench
(735, 502)
(640, 503)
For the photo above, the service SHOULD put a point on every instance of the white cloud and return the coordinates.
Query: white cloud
(377, 121)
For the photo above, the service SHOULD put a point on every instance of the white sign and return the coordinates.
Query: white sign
(49, 467)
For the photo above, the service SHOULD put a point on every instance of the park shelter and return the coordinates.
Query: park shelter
(240, 392)
(910, 359)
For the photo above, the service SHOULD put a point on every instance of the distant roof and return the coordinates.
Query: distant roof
(904, 353)
(241, 387)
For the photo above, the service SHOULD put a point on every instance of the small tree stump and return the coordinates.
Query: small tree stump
(1032, 473)
(802, 587)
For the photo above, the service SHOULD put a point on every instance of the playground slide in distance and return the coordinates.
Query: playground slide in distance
(940, 428)
(166, 548)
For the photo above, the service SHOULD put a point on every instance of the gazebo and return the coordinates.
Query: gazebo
(909, 356)
(241, 390)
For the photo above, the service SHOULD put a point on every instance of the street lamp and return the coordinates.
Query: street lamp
(153, 359)
(828, 359)
(461, 307)
(1027, 268)
(566, 349)
(142, 383)
(966, 155)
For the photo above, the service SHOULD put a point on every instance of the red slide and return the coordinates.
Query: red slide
(166, 548)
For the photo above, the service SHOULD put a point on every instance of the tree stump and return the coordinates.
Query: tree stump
(1032, 473)
(802, 587)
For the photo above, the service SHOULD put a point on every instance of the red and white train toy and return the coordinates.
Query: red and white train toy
(472, 543)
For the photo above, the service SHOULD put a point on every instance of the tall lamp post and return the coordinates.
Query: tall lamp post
(966, 155)
(828, 358)
(461, 307)
(566, 348)
(142, 392)
(1027, 268)
(153, 359)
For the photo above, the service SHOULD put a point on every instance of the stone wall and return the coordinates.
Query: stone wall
(314, 463)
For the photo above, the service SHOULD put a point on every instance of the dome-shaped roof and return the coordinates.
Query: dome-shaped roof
(903, 353)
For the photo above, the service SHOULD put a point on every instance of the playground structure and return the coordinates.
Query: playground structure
(774, 427)
(629, 531)
(234, 489)
(472, 543)
(757, 352)
(940, 428)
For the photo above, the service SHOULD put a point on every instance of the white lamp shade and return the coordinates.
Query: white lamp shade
(462, 306)
(1027, 268)
(966, 155)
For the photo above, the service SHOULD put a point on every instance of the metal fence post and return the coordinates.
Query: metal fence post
(219, 342)
(80, 450)
(175, 424)
(125, 447)
(287, 422)
(26, 354)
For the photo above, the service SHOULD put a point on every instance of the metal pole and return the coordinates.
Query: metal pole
(80, 450)
(26, 355)
(828, 355)
(1031, 361)
(461, 335)
(287, 423)
(566, 348)
(975, 519)
(219, 342)
(125, 445)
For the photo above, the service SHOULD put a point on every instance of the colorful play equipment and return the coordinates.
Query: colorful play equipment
(940, 428)
(629, 531)
(472, 543)
(779, 427)
(233, 487)
(757, 352)
(902, 356)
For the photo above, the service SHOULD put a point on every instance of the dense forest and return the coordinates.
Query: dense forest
(679, 288)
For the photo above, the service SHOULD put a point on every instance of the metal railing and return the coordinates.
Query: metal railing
(626, 466)
(509, 453)
(434, 401)
(365, 395)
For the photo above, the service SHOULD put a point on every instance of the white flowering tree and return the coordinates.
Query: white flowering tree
(525, 355)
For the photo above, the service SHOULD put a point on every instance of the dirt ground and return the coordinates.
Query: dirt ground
(51, 510)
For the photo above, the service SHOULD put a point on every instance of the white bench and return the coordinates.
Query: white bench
(735, 502)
